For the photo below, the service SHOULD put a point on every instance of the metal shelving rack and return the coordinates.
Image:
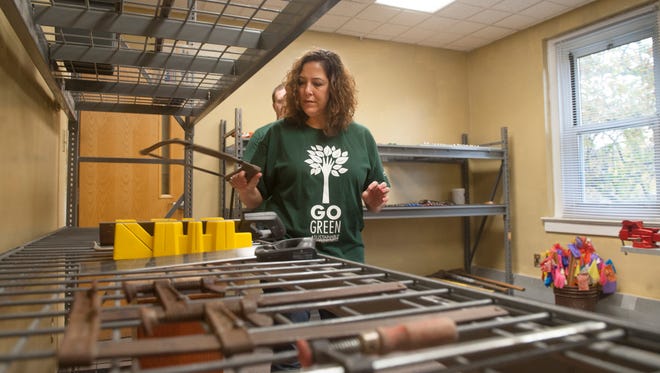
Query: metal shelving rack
(65, 304)
(460, 154)
(174, 57)
(179, 58)
(232, 142)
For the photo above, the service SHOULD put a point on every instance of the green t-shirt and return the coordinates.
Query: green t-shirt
(314, 183)
(255, 139)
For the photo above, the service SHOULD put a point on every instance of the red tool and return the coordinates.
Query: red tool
(641, 237)
(426, 332)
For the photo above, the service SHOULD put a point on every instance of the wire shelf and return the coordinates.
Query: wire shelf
(169, 57)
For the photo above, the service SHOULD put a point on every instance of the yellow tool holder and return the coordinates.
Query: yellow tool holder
(132, 241)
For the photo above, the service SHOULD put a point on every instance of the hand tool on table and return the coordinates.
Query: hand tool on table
(421, 333)
(227, 316)
(250, 169)
(231, 323)
(290, 249)
(265, 226)
(442, 274)
(486, 279)
(79, 341)
(268, 230)
(441, 358)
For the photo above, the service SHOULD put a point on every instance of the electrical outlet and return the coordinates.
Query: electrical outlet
(537, 260)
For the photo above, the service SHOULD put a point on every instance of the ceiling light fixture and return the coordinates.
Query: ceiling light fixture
(428, 6)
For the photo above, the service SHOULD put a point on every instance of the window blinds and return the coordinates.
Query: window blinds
(610, 133)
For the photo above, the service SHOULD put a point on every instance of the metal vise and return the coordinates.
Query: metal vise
(641, 237)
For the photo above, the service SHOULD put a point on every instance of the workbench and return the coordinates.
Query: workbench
(67, 306)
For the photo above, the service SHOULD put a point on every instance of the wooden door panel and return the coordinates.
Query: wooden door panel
(110, 191)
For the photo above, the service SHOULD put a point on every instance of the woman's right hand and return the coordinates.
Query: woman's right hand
(247, 190)
(238, 181)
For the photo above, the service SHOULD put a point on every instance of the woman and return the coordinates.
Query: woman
(318, 166)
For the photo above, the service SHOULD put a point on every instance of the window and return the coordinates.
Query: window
(607, 121)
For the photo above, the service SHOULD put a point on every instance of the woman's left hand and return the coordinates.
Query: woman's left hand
(375, 196)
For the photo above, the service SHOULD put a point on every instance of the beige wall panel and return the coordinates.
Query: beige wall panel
(31, 185)
(417, 246)
(507, 88)
(29, 147)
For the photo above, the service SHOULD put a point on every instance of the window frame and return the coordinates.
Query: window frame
(556, 115)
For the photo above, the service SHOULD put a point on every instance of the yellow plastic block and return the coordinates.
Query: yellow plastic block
(205, 235)
(243, 239)
(233, 239)
(131, 242)
(216, 232)
(213, 218)
(182, 241)
(195, 237)
(230, 231)
(166, 238)
(159, 247)
(172, 235)
(141, 234)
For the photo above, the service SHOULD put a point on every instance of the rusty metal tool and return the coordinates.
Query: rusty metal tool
(420, 333)
(79, 343)
(138, 292)
(231, 331)
(175, 307)
(226, 316)
(485, 279)
(436, 354)
(235, 323)
(468, 280)
(250, 169)
(357, 325)
(250, 338)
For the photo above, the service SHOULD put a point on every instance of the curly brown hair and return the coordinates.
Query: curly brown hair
(342, 98)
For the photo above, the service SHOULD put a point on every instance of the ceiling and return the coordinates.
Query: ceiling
(184, 57)
(463, 25)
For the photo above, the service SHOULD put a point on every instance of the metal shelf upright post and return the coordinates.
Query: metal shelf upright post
(236, 149)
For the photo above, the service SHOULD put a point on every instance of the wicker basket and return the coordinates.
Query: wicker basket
(570, 296)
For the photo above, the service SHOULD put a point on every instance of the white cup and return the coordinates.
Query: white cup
(458, 196)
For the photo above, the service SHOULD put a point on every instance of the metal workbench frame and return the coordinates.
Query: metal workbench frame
(40, 280)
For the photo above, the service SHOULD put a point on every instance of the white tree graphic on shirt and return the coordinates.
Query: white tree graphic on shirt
(328, 161)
